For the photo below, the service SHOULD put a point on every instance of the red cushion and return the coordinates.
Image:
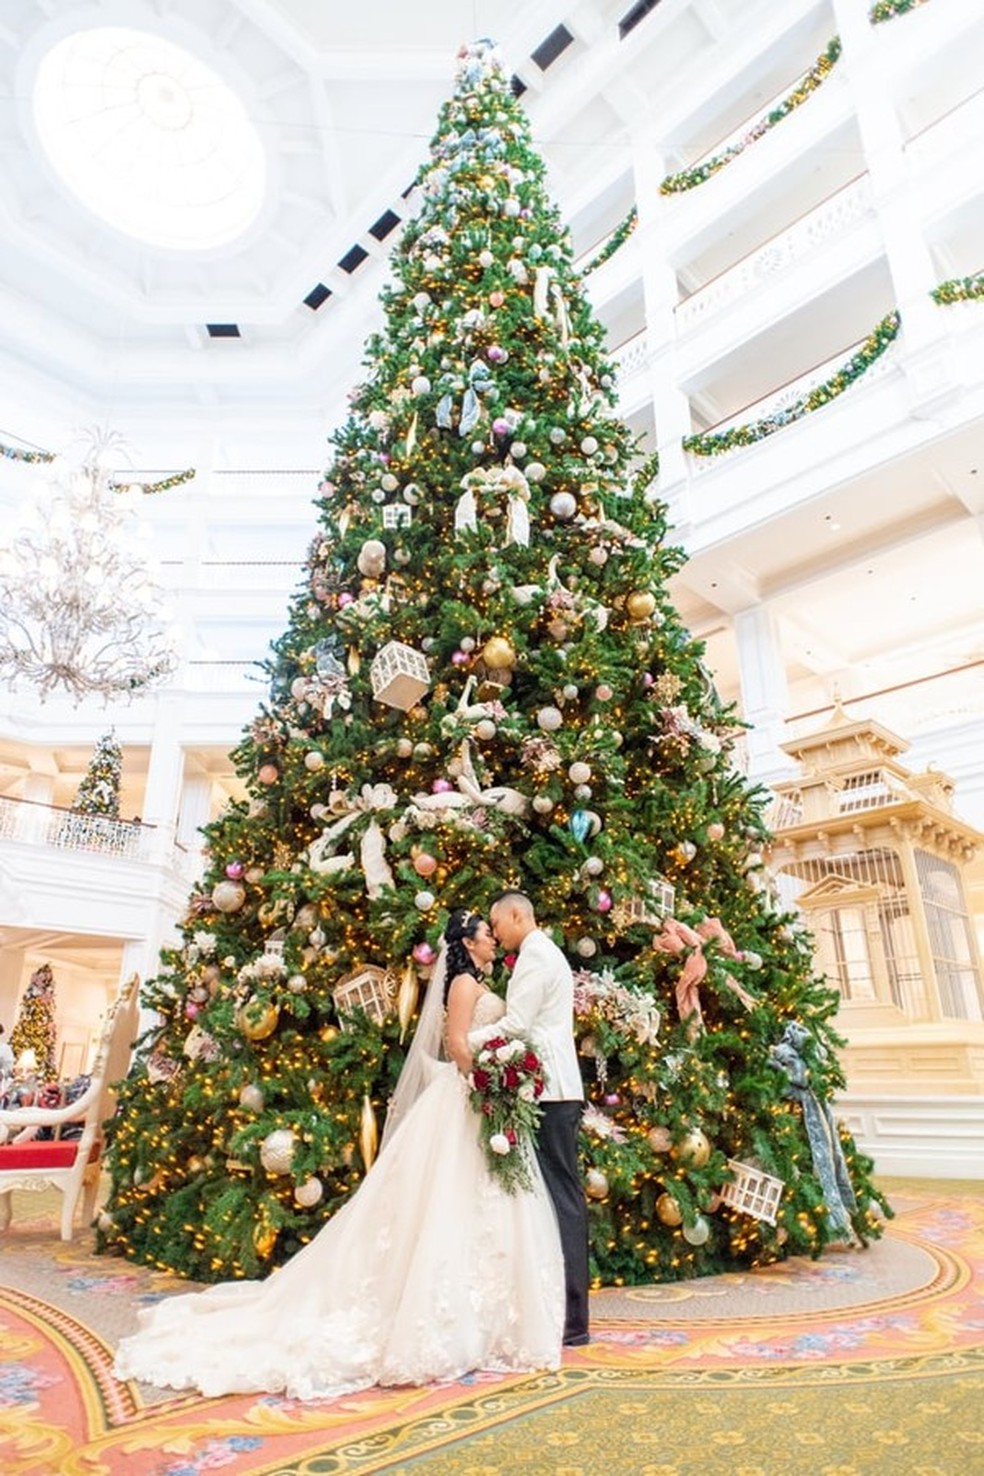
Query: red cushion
(41, 1155)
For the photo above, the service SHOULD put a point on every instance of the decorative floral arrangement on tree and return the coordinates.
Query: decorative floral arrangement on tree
(483, 684)
(506, 1084)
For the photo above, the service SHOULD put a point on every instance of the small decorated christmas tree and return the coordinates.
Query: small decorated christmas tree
(483, 684)
(34, 1029)
(99, 790)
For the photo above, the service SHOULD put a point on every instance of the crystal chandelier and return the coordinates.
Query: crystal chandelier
(79, 610)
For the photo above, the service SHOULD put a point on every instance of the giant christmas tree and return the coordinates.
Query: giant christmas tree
(484, 683)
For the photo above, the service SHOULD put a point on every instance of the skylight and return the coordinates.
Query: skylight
(149, 138)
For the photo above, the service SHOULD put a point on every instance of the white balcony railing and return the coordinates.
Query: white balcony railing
(631, 356)
(772, 405)
(65, 830)
(829, 220)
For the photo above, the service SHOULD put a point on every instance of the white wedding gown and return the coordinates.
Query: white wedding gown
(429, 1272)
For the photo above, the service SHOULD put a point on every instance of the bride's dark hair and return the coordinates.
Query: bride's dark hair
(462, 924)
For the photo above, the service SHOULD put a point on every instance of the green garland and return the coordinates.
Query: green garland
(14, 453)
(177, 479)
(687, 179)
(618, 238)
(713, 443)
(959, 289)
(886, 10)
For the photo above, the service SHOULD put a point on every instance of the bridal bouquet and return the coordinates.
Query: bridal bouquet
(506, 1084)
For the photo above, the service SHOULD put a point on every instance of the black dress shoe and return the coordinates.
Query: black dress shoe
(577, 1340)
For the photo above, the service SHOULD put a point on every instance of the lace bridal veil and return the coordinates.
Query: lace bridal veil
(425, 1054)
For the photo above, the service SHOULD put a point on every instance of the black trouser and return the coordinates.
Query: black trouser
(556, 1149)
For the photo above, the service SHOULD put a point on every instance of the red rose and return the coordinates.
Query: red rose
(494, 1043)
(481, 1079)
(511, 1135)
(531, 1061)
(511, 1078)
(510, 960)
(538, 1086)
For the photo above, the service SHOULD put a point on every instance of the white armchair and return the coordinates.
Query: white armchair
(71, 1165)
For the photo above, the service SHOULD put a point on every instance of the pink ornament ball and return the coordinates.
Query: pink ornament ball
(603, 692)
(345, 598)
(648, 679)
(501, 426)
(459, 658)
(268, 774)
(612, 1099)
(496, 299)
(191, 1009)
(235, 870)
(715, 831)
(604, 903)
(424, 954)
(425, 864)
(495, 353)
(441, 786)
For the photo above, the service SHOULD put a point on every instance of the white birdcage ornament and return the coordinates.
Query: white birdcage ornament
(368, 988)
(397, 515)
(648, 911)
(399, 675)
(752, 1191)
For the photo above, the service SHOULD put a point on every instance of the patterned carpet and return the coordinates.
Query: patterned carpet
(863, 1362)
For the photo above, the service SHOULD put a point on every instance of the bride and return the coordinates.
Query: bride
(431, 1270)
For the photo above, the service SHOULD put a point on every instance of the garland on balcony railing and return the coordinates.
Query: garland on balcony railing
(35, 458)
(177, 479)
(687, 179)
(14, 453)
(887, 10)
(618, 238)
(713, 443)
(959, 289)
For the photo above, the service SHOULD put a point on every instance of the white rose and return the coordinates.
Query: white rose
(505, 1052)
(499, 1143)
(527, 1092)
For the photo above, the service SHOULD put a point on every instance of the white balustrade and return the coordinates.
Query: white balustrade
(49, 825)
(829, 220)
(631, 356)
(771, 406)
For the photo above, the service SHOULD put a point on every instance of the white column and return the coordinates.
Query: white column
(764, 693)
(896, 203)
(164, 776)
(671, 407)
(195, 810)
(39, 788)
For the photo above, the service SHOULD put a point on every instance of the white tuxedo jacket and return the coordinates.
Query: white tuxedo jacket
(540, 1007)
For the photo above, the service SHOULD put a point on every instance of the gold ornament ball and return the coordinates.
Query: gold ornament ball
(327, 1034)
(693, 1150)
(257, 1019)
(659, 1139)
(596, 1184)
(668, 1210)
(640, 604)
(498, 654)
(228, 896)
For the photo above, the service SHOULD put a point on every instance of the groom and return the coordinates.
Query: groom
(540, 1006)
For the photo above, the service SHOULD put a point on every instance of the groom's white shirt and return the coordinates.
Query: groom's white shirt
(539, 1007)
